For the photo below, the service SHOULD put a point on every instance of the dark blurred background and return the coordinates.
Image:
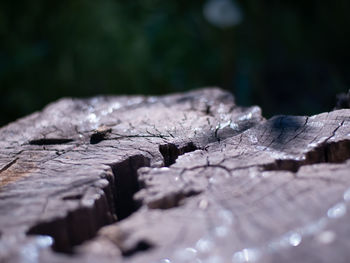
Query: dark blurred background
(289, 57)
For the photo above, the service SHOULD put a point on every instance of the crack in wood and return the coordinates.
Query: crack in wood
(327, 152)
(100, 195)
(8, 165)
(171, 152)
(50, 141)
(76, 227)
(83, 223)
(126, 184)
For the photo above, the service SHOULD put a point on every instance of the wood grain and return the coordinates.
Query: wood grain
(186, 177)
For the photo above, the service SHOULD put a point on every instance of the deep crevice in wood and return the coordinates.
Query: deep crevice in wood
(82, 224)
(99, 135)
(171, 152)
(333, 152)
(78, 226)
(50, 141)
(72, 197)
(127, 184)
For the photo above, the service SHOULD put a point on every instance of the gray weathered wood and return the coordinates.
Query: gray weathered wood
(182, 178)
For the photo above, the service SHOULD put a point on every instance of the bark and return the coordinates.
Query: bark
(187, 177)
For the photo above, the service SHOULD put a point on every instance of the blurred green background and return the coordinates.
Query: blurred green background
(289, 57)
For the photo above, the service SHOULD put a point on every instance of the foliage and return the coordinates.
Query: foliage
(288, 57)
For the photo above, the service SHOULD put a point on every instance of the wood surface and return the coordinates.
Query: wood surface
(188, 177)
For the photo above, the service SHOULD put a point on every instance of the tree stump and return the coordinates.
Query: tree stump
(186, 177)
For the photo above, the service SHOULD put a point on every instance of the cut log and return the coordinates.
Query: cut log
(186, 177)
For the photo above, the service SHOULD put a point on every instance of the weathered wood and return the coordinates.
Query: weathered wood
(181, 178)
